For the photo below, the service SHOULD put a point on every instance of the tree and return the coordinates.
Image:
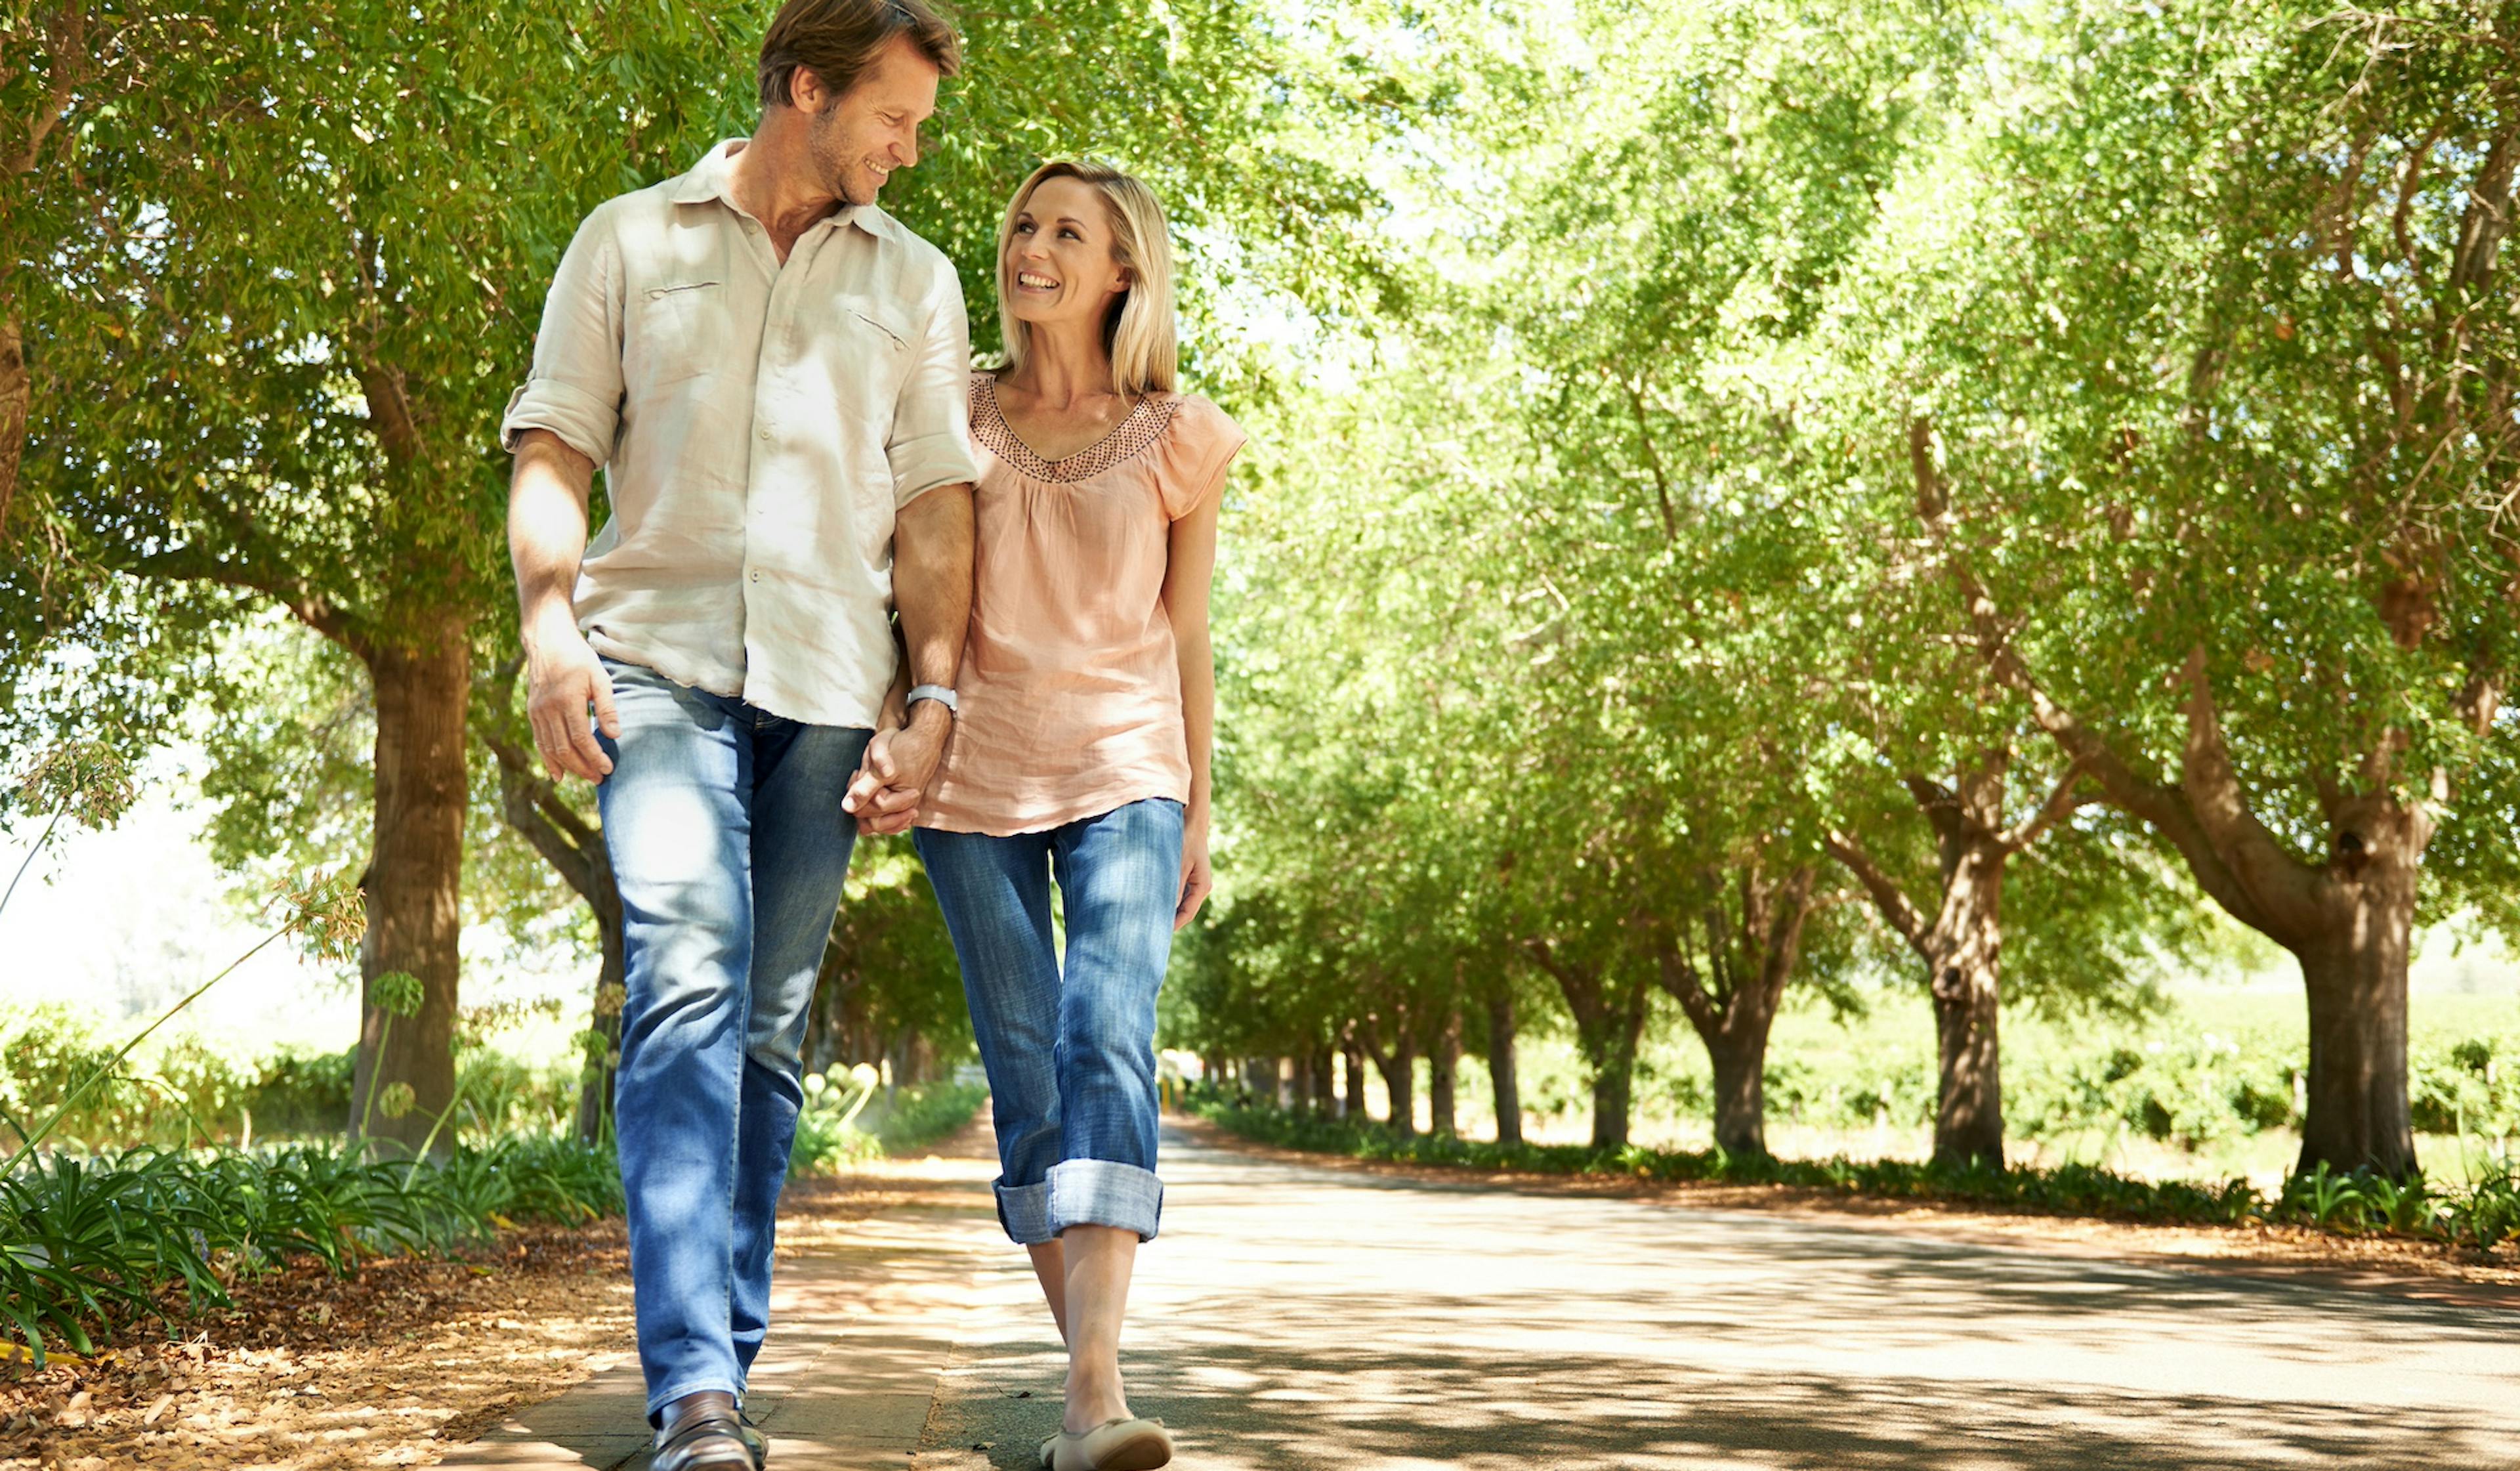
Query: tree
(80, 84)
(300, 346)
(2220, 385)
(1959, 936)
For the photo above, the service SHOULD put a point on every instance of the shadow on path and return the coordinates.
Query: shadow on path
(1292, 1318)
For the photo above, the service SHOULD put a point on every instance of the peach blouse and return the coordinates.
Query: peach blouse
(1070, 688)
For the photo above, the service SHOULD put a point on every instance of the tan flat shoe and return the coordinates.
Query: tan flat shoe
(1113, 1446)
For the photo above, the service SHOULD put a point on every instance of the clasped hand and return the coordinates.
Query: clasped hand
(900, 761)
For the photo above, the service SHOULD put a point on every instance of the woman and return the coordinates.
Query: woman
(1080, 751)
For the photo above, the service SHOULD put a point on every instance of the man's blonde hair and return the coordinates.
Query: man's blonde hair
(1139, 332)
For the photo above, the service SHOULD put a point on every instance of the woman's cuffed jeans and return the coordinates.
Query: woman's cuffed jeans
(1070, 1050)
(729, 845)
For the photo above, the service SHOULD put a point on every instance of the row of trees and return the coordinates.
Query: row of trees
(1748, 493)
(1933, 484)
(267, 275)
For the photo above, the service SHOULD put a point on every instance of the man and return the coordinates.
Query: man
(772, 373)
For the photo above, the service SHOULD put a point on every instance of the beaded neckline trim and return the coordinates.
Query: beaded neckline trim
(1133, 437)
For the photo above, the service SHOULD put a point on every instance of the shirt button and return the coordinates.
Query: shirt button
(765, 436)
(757, 576)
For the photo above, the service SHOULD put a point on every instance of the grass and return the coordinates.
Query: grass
(2483, 1214)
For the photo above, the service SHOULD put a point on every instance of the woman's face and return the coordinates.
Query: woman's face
(1059, 267)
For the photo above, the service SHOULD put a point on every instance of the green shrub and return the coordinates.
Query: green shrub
(92, 1246)
(2190, 1091)
(2484, 1216)
(2471, 1086)
(498, 1095)
(296, 1093)
(915, 1118)
(848, 1120)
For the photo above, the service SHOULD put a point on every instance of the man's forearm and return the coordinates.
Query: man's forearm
(931, 581)
(547, 500)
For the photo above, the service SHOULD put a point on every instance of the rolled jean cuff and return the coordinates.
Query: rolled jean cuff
(1106, 1193)
(1024, 1211)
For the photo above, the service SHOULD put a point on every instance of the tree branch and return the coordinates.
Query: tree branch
(2276, 881)
(583, 869)
(71, 65)
(1940, 804)
(190, 564)
(2488, 215)
(1653, 463)
(1792, 903)
(2167, 808)
(1580, 986)
(1887, 896)
(2060, 804)
(1674, 972)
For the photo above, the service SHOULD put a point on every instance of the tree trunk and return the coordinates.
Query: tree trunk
(16, 391)
(1963, 958)
(1968, 1115)
(1443, 1072)
(1606, 1029)
(603, 1053)
(1732, 1000)
(1399, 1069)
(1961, 945)
(414, 887)
(2355, 976)
(1501, 1073)
(1740, 1066)
(1323, 1103)
(2347, 918)
(1352, 1060)
(1613, 1056)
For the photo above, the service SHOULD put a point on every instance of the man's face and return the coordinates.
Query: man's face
(862, 135)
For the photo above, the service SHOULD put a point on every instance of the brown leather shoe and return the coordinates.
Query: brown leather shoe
(709, 1436)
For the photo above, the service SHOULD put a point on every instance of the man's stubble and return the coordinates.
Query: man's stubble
(830, 147)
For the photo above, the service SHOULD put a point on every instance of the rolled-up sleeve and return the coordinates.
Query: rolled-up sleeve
(931, 423)
(575, 388)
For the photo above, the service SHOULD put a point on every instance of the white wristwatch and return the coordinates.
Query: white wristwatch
(936, 692)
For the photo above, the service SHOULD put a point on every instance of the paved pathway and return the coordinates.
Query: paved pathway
(1297, 1319)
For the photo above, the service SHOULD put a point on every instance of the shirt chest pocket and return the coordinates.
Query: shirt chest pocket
(674, 331)
(873, 357)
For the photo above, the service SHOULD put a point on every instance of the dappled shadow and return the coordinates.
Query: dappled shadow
(1292, 1317)
(1237, 1407)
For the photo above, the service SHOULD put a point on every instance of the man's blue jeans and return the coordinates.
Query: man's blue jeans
(1070, 1052)
(730, 846)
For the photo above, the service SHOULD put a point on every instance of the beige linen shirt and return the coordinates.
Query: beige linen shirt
(758, 424)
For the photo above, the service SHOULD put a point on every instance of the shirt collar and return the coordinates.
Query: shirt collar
(713, 178)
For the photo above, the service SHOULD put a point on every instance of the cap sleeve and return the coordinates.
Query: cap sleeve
(1200, 444)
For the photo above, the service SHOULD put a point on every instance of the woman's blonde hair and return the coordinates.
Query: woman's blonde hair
(1139, 332)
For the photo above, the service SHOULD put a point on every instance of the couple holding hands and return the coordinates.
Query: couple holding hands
(775, 377)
